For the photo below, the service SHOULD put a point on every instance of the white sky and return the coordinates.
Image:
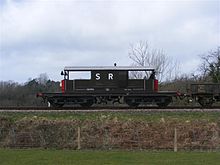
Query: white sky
(38, 36)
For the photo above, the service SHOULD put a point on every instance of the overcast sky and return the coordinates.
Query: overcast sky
(43, 36)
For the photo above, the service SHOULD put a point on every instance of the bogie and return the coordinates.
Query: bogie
(205, 102)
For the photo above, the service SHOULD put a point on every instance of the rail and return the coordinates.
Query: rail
(111, 109)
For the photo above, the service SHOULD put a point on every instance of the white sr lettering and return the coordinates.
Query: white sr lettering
(97, 75)
(110, 76)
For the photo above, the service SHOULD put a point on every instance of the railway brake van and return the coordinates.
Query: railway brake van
(112, 84)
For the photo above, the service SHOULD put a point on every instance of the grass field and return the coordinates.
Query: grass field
(68, 157)
(140, 116)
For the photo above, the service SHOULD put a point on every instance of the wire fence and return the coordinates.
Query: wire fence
(108, 135)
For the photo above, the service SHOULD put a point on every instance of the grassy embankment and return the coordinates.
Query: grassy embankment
(68, 157)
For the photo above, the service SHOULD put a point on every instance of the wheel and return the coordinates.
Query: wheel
(57, 105)
(132, 103)
(205, 102)
(87, 104)
(164, 102)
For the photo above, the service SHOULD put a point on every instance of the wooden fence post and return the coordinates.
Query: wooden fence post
(175, 140)
(78, 139)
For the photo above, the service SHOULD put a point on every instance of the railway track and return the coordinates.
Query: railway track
(109, 109)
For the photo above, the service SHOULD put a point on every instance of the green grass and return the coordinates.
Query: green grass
(122, 116)
(68, 157)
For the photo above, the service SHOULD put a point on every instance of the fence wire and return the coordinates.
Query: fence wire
(107, 135)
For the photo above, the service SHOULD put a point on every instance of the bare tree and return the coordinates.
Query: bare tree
(142, 55)
(43, 78)
(210, 67)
